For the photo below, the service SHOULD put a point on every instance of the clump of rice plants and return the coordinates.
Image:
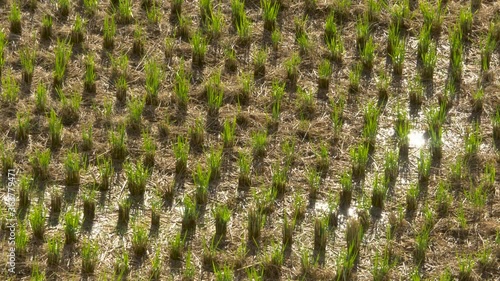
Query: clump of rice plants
(196, 134)
(201, 179)
(121, 265)
(72, 167)
(465, 21)
(184, 26)
(279, 178)
(314, 181)
(355, 77)
(231, 62)
(255, 221)
(228, 133)
(10, 88)
(117, 140)
(443, 198)
(89, 254)
(379, 192)
(177, 246)
(412, 198)
(27, 57)
(55, 201)
(367, 53)
(62, 52)
(89, 203)
(46, 31)
(215, 93)
(456, 51)
(336, 116)
(305, 103)
(154, 76)
(7, 158)
(214, 159)
(259, 62)
(432, 15)
(109, 31)
(25, 184)
(324, 73)
(429, 60)
(90, 75)
(402, 128)
(53, 251)
(259, 143)
(23, 126)
(416, 91)
(71, 226)
(135, 107)
(359, 159)
(244, 164)
(199, 48)
(181, 86)
(138, 45)
(270, 11)
(273, 260)
(222, 215)
(244, 29)
(362, 32)
(156, 266)
(139, 240)
(168, 45)
(320, 234)
(15, 18)
(473, 141)
(124, 211)
(190, 214)
(292, 67)
(90, 7)
(149, 150)
(124, 11)
(70, 107)
(21, 239)
(477, 100)
(347, 188)
(398, 56)
(63, 7)
(275, 39)
(37, 221)
(41, 97)
(40, 161)
(77, 29)
(424, 166)
(137, 177)
(181, 151)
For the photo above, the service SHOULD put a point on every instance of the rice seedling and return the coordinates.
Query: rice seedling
(412, 198)
(400, 12)
(305, 103)
(359, 159)
(189, 268)
(477, 99)
(117, 140)
(90, 75)
(475, 4)
(362, 31)
(443, 198)
(381, 266)
(149, 150)
(21, 239)
(15, 18)
(181, 151)
(154, 75)
(124, 11)
(27, 57)
(181, 86)
(189, 215)
(484, 260)
(228, 132)
(55, 201)
(46, 32)
(156, 266)
(3, 43)
(279, 178)
(177, 246)
(153, 13)
(488, 179)
(222, 215)
(355, 77)
(214, 159)
(41, 97)
(336, 116)
(487, 48)
(477, 197)
(292, 67)
(90, 7)
(139, 42)
(109, 31)
(7, 159)
(135, 107)
(424, 166)
(275, 39)
(456, 51)
(287, 231)
(367, 53)
(473, 141)
(299, 206)
(89, 254)
(272, 261)
(53, 250)
(176, 6)
(216, 24)
(137, 177)
(259, 143)
(435, 118)
(70, 107)
(89, 203)
(465, 21)
(324, 73)
(323, 159)
(304, 43)
(424, 40)
(77, 35)
(432, 15)
(398, 56)
(168, 44)
(37, 221)
(199, 48)
(215, 96)
(391, 165)
(196, 134)
(354, 235)
(378, 193)
(429, 60)
(124, 211)
(184, 26)
(320, 234)
(140, 240)
(62, 52)
(393, 38)
(446, 275)
(72, 167)
(259, 62)
(121, 266)
(373, 10)
(63, 7)
(342, 9)
(495, 120)
(416, 91)
(10, 88)
(465, 266)
(422, 242)
(255, 221)
(244, 164)
(244, 29)
(347, 186)
(23, 126)
(71, 226)
(270, 11)
(40, 161)
(206, 10)
(231, 62)
(201, 179)
(314, 181)
(25, 185)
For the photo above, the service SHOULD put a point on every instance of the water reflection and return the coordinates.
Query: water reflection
(416, 139)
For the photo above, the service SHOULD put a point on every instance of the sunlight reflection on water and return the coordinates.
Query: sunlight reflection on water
(416, 139)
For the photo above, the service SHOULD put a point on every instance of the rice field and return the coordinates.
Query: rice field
(250, 140)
